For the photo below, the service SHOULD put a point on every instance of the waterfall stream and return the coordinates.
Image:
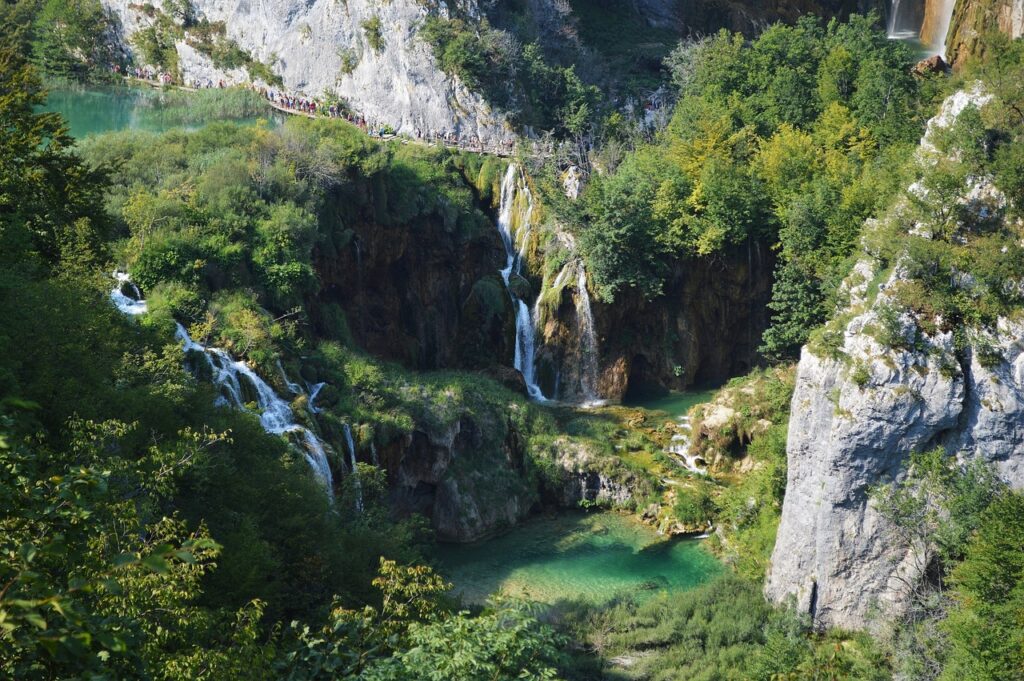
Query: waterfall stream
(514, 215)
(927, 21)
(236, 381)
(350, 443)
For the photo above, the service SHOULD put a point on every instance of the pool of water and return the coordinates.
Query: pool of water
(576, 556)
(675, 404)
(95, 109)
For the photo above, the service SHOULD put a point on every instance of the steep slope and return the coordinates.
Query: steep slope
(363, 51)
(890, 376)
(972, 19)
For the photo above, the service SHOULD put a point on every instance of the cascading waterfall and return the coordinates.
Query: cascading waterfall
(680, 448)
(228, 374)
(275, 414)
(588, 337)
(130, 305)
(314, 391)
(514, 216)
(350, 443)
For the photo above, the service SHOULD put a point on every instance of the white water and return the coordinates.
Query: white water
(900, 30)
(585, 319)
(680, 448)
(515, 234)
(938, 44)
(275, 414)
(314, 391)
(903, 24)
(350, 443)
(127, 304)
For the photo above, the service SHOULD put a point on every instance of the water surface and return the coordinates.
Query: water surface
(591, 557)
(675, 404)
(97, 109)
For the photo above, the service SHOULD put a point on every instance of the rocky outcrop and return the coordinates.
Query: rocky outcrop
(469, 484)
(705, 328)
(972, 19)
(364, 51)
(861, 407)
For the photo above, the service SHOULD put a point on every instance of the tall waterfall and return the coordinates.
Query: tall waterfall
(902, 23)
(924, 20)
(275, 414)
(588, 338)
(578, 373)
(938, 16)
(514, 215)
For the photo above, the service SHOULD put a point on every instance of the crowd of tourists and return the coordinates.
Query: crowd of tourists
(311, 107)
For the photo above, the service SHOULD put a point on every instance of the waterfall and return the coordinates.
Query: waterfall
(680, 448)
(293, 387)
(588, 340)
(901, 26)
(132, 305)
(311, 402)
(924, 20)
(938, 17)
(350, 443)
(514, 215)
(275, 414)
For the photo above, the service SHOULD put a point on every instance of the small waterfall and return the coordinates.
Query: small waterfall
(680, 448)
(350, 443)
(292, 387)
(901, 26)
(132, 305)
(311, 402)
(514, 216)
(275, 414)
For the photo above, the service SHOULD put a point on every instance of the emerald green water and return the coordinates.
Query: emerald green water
(93, 110)
(590, 557)
(675, 404)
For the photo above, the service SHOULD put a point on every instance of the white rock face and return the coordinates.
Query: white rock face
(306, 41)
(854, 423)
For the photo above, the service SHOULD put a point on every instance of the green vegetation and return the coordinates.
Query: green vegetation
(374, 33)
(785, 140)
(146, 532)
(964, 530)
(513, 77)
(959, 250)
(724, 631)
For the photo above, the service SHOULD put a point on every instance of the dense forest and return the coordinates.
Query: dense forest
(148, 532)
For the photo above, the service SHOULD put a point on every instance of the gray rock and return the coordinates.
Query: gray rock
(854, 423)
(304, 42)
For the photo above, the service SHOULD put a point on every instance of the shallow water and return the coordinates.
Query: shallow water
(95, 109)
(591, 557)
(675, 404)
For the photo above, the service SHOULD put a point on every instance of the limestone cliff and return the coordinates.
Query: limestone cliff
(365, 51)
(864, 401)
(972, 19)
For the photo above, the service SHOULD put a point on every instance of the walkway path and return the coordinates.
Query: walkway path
(504, 149)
